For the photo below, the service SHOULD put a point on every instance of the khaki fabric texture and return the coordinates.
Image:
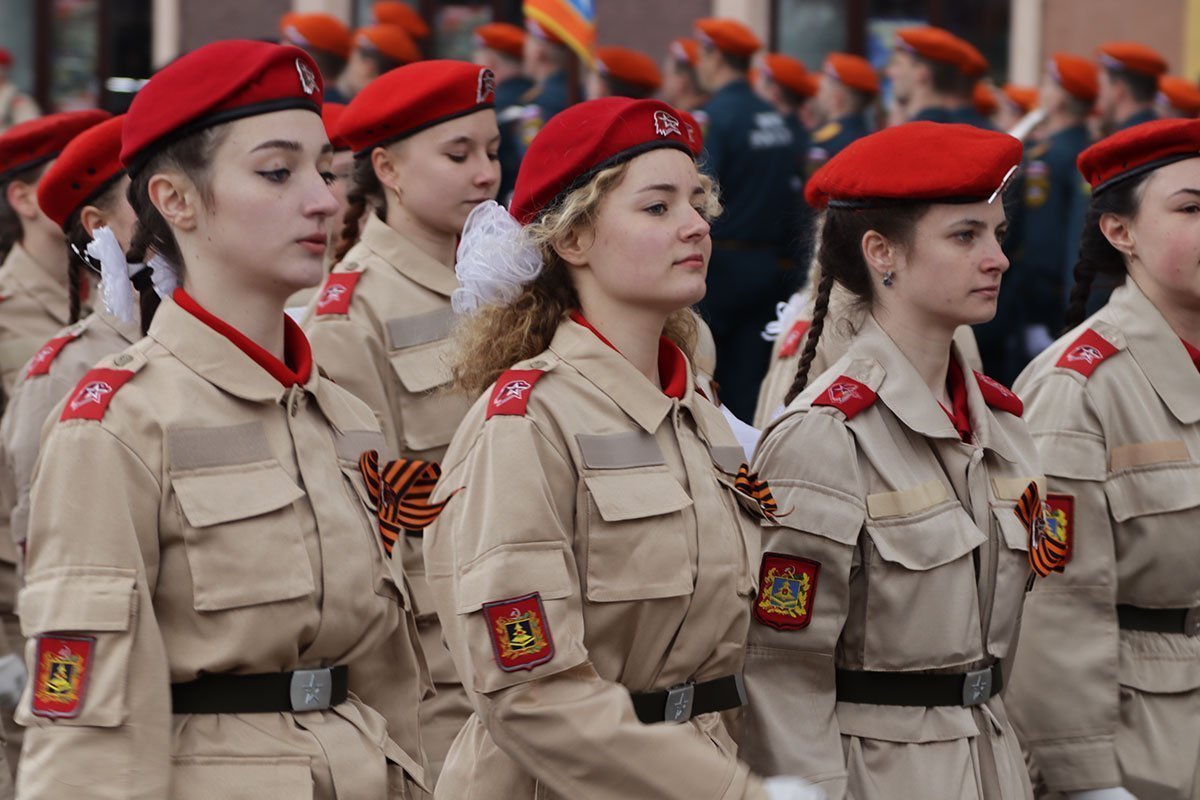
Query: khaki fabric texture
(1097, 706)
(923, 565)
(215, 521)
(616, 504)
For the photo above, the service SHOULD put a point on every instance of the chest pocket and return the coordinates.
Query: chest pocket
(636, 546)
(419, 353)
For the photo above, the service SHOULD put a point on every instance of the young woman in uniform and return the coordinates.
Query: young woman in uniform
(592, 569)
(1106, 690)
(425, 140)
(211, 602)
(888, 597)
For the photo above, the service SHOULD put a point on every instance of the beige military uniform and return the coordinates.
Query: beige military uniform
(1098, 705)
(615, 504)
(385, 339)
(913, 561)
(212, 521)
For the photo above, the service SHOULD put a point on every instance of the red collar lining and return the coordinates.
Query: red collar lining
(956, 387)
(672, 366)
(1193, 353)
(296, 351)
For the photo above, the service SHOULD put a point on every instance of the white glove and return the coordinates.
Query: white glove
(12, 680)
(787, 788)
(1114, 793)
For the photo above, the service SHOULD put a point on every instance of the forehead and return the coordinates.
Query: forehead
(664, 165)
(1173, 177)
(943, 214)
(479, 125)
(295, 125)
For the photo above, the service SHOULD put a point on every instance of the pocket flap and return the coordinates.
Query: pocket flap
(1014, 488)
(211, 498)
(420, 329)
(94, 599)
(926, 540)
(1012, 530)
(423, 368)
(619, 450)
(1153, 490)
(818, 510)
(907, 501)
(513, 570)
(636, 495)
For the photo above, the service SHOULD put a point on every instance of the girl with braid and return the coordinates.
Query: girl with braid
(891, 593)
(1107, 679)
(425, 141)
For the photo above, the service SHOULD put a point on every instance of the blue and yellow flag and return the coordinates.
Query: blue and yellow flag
(573, 21)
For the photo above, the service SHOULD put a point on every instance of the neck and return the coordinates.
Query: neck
(257, 315)
(1058, 121)
(1128, 108)
(926, 346)
(724, 78)
(436, 244)
(924, 97)
(48, 252)
(635, 333)
(1182, 318)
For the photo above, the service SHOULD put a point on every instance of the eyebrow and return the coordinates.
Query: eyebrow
(971, 223)
(669, 188)
(279, 144)
(1195, 192)
(468, 140)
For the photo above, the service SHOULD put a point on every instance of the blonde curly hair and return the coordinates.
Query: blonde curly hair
(498, 336)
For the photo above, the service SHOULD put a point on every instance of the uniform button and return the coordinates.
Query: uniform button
(122, 360)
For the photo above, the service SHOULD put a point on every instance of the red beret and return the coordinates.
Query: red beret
(1137, 150)
(628, 66)
(790, 73)
(1077, 75)
(217, 83)
(923, 161)
(5, 58)
(503, 38)
(331, 115)
(393, 12)
(412, 98)
(82, 170)
(983, 99)
(684, 50)
(323, 32)
(931, 43)
(37, 141)
(1132, 57)
(852, 71)
(390, 41)
(588, 137)
(1180, 93)
(728, 36)
(1024, 98)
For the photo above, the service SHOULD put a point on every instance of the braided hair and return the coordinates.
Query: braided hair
(366, 192)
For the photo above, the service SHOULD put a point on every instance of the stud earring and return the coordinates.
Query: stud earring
(887, 278)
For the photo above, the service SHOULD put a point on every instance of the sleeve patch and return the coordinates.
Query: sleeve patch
(999, 396)
(520, 633)
(93, 393)
(791, 342)
(337, 293)
(1060, 523)
(40, 363)
(787, 587)
(63, 667)
(510, 395)
(847, 395)
(1086, 353)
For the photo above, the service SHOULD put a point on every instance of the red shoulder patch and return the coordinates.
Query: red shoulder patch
(787, 587)
(510, 395)
(519, 631)
(847, 395)
(93, 393)
(40, 363)
(997, 395)
(337, 293)
(1086, 353)
(791, 342)
(62, 668)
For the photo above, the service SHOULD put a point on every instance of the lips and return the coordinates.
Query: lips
(314, 243)
(692, 261)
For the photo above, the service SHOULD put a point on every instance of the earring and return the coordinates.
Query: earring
(887, 278)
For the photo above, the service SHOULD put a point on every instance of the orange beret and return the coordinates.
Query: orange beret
(392, 12)
(728, 36)
(1077, 75)
(932, 43)
(543, 33)
(983, 99)
(852, 71)
(323, 32)
(790, 73)
(971, 62)
(1137, 150)
(685, 51)
(390, 41)
(83, 170)
(503, 38)
(1180, 93)
(628, 66)
(1024, 98)
(1132, 57)
(28, 144)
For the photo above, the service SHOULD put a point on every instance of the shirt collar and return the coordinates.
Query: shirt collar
(672, 366)
(1193, 353)
(406, 258)
(37, 282)
(959, 413)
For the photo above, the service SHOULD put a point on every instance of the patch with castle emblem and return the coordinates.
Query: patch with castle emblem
(93, 393)
(519, 632)
(61, 671)
(787, 587)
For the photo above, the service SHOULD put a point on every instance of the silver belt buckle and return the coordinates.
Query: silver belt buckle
(679, 703)
(1191, 622)
(977, 687)
(312, 689)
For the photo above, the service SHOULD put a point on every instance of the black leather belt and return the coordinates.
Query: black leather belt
(1160, 620)
(302, 690)
(918, 689)
(681, 703)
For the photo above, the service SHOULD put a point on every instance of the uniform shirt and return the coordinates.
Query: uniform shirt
(508, 113)
(33, 307)
(227, 530)
(935, 114)
(613, 501)
(832, 138)
(916, 562)
(967, 115)
(16, 107)
(1116, 419)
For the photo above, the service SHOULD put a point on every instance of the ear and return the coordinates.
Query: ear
(176, 198)
(878, 252)
(22, 197)
(1115, 228)
(575, 247)
(91, 218)
(386, 163)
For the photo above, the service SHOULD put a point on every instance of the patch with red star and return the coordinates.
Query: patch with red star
(337, 293)
(61, 672)
(510, 394)
(93, 393)
(791, 342)
(41, 361)
(519, 631)
(1086, 353)
(787, 587)
(847, 395)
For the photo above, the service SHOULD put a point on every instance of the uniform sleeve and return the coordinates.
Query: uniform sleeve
(97, 707)
(502, 552)
(790, 725)
(21, 432)
(353, 357)
(1063, 692)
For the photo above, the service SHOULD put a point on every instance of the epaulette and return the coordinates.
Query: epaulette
(96, 389)
(1085, 353)
(337, 293)
(791, 342)
(847, 395)
(826, 132)
(511, 392)
(41, 361)
(997, 395)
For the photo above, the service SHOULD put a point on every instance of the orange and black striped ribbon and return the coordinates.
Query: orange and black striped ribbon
(759, 491)
(1046, 551)
(401, 492)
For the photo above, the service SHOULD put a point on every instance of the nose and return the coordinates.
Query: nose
(321, 202)
(488, 173)
(994, 259)
(696, 227)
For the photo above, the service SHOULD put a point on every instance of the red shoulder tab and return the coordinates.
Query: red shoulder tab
(997, 395)
(791, 342)
(40, 363)
(337, 293)
(846, 395)
(511, 393)
(1086, 353)
(93, 393)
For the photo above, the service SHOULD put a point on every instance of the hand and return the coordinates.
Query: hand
(1113, 793)
(12, 679)
(788, 788)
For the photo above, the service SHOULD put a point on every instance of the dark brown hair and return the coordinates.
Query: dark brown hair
(365, 193)
(11, 232)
